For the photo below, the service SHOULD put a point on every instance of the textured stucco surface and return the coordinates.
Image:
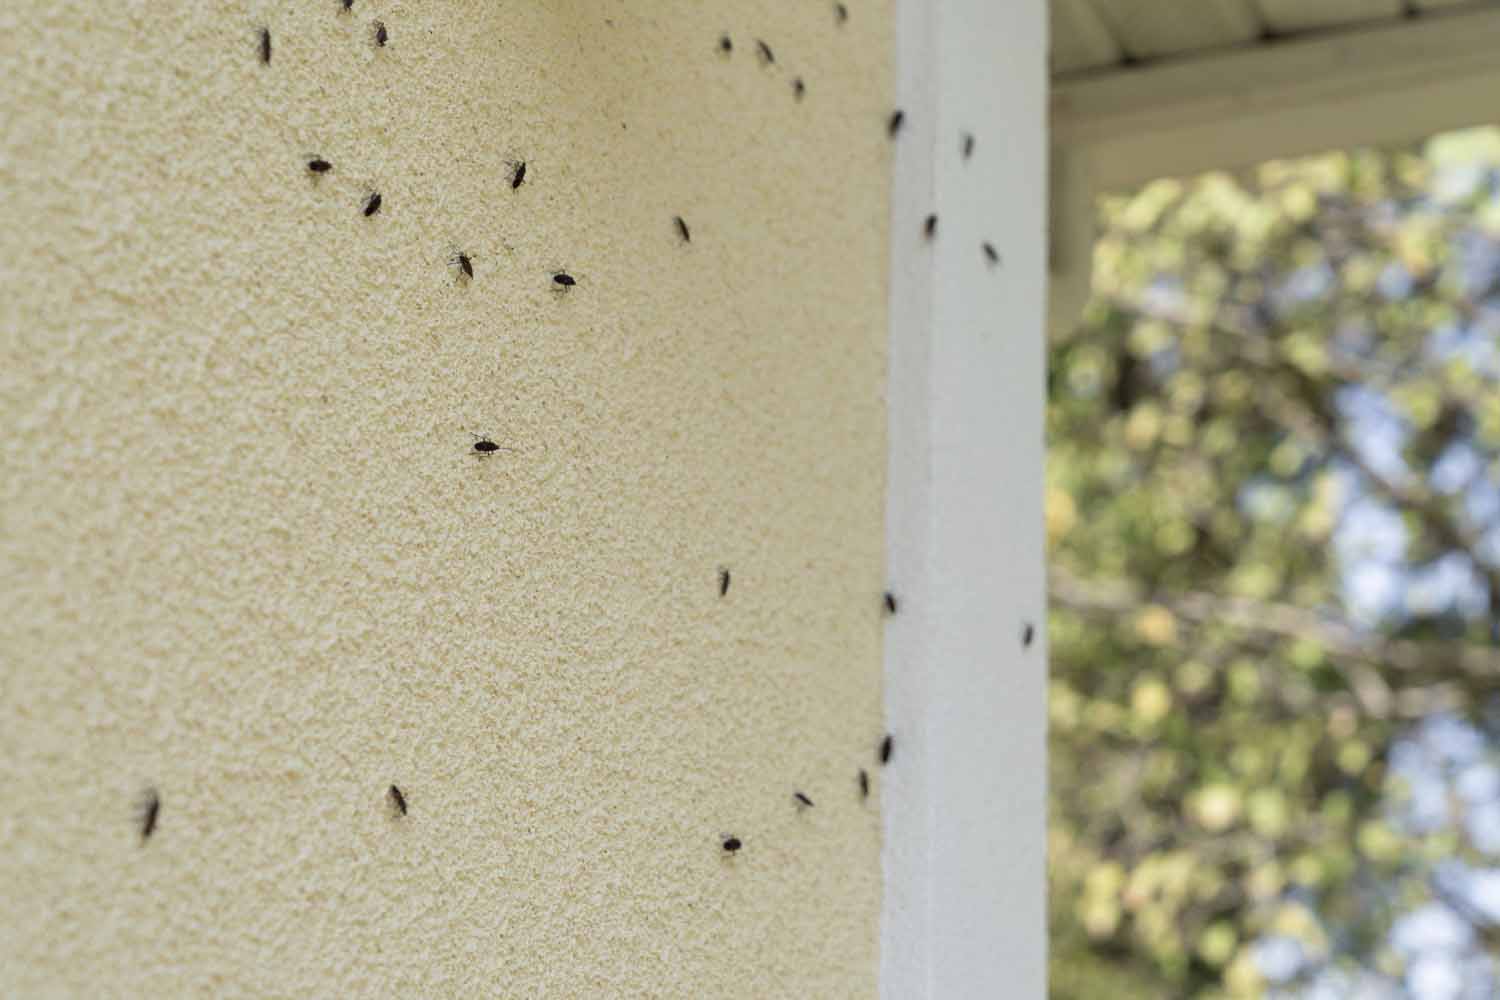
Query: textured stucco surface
(249, 559)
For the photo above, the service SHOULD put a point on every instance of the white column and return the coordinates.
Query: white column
(964, 793)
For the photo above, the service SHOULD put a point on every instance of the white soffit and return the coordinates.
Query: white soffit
(1081, 39)
(1147, 29)
(1393, 82)
(1369, 82)
(1100, 35)
(1289, 16)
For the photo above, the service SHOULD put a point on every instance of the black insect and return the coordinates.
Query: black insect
(265, 46)
(1028, 632)
(840, 13)
(798, 88)
(968, 145)
(381, 35)
(397, 799)
(682, 229)
(564, 280)
(766, 55)
(150, 809)
(802, 800)
(898, 117)
(723, 582)
(347, 5)
(372, 204)
(890, 603)
(484, 447)
(929, 228)
(726, 46)
(732, 844)
(465, 264)
(991, 254)
(886, 746)
(318, 165)
(518, 176)
(864, 784)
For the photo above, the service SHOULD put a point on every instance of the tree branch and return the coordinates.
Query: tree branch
(1300, 416)
(1365, 656)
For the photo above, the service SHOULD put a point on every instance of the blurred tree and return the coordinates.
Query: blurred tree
(1273, 514)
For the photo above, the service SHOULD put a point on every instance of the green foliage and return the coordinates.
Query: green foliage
(1219, 718)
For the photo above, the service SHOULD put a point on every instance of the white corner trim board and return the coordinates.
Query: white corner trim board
(964, 792)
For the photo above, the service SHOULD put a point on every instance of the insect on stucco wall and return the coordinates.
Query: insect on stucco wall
(534, 637)
(150, 810)
(562, 281)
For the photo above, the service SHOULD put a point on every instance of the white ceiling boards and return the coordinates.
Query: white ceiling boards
(1099, 35)
(1150, 28)
(1299, 15)
(1173, 87)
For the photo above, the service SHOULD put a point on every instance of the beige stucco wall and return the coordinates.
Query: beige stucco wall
(249, 559)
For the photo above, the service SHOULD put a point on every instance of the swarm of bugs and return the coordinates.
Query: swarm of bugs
(485, 447)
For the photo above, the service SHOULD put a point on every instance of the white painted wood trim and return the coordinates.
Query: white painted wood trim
(964, 798)
(1233, 108)
(1237, 107)
(1081, 39)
